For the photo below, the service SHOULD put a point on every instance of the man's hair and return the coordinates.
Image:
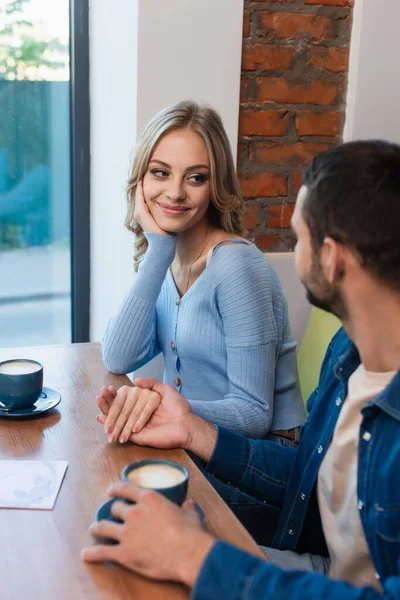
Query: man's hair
(354, 197)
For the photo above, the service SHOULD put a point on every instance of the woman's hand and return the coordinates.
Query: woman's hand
(104, 402)
(142, 213)
(125, 411)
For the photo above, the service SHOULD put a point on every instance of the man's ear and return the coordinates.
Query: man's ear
(332, 260)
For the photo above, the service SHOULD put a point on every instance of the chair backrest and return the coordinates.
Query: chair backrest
(299, 307)
(321, 328)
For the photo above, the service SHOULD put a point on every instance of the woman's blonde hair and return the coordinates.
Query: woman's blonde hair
(226, 198)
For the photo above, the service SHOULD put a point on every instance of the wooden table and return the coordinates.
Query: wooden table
(40, 548)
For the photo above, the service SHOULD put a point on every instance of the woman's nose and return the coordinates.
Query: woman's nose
(175, 192)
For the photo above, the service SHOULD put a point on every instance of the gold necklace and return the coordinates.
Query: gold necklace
(195, 260)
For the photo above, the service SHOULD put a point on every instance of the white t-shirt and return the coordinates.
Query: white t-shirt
(337, 485)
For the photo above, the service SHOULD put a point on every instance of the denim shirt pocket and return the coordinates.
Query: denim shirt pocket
(387, 522)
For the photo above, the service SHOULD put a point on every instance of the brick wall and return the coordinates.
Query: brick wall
(294, 75)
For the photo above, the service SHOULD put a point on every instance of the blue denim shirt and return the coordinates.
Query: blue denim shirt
(286, 479)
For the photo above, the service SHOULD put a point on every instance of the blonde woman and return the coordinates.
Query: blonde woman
(204, 296)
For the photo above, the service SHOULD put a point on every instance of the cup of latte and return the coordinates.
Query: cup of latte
(165, 476)
(21, 381)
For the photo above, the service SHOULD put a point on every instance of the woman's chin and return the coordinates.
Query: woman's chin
(172, 227)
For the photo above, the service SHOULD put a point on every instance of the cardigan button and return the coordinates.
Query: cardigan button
(177, 381)
(320, 449)
(302, 496)
(177, 301)
(290, 532)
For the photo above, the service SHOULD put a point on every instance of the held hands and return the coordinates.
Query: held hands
(150, 414)
(125, 411)
(156, 538)
(142, 213)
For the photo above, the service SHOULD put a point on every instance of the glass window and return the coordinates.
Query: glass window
(35, 197)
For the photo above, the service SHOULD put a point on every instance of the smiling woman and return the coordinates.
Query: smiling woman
(204, 296)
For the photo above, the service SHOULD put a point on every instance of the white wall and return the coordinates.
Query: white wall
(145, 55)
(113, 107)
(190, 49)
(373, 99)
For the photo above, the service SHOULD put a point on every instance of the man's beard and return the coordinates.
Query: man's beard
(321, 293)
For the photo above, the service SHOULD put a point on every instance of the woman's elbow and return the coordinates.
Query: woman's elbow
(114, 364)
(258, 423)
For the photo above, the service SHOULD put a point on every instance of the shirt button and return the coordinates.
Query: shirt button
(173, 345)
(302, 496)
(377, 576)
(177, 381)
(360, 505)
(338, 401)
(177, 301)
(367, 436)
(290, 532)
(320, 449)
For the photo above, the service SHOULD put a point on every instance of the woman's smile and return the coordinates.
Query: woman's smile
(172, 209)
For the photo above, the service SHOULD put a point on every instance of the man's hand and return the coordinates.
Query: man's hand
(156, 538)
(173, 424)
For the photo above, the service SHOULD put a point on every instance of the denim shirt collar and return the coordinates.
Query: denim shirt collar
(345, 363)
(389, 399)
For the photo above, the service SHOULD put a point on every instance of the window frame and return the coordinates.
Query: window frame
(80, 170)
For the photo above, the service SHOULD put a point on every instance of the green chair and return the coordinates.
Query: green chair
(321, 328)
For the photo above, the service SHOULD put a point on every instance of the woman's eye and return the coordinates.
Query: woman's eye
(159, 173)
(197, 178)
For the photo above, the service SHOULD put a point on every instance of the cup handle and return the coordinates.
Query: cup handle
(43, 395)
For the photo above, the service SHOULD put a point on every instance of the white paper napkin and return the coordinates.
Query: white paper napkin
(30, 483)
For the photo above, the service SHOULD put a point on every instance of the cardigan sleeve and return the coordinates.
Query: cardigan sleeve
(130, 340)
(248, 309)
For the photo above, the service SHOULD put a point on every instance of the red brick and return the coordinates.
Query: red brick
(288, 155)
(263, 122)
(243, 89)
(246, 25)
(279, 215)
(251, 216)
(297, 26)
(277, 89)
(264, 184)
(297, 181)
(264, 242)
(266, 57)
(330, 2)
(331, 59)
(240, 154)
(326, 123)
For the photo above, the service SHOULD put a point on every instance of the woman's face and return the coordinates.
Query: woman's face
(177, 182)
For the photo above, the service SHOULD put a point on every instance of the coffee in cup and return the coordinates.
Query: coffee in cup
(165, 476)
(156, 477)
(21, 382)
